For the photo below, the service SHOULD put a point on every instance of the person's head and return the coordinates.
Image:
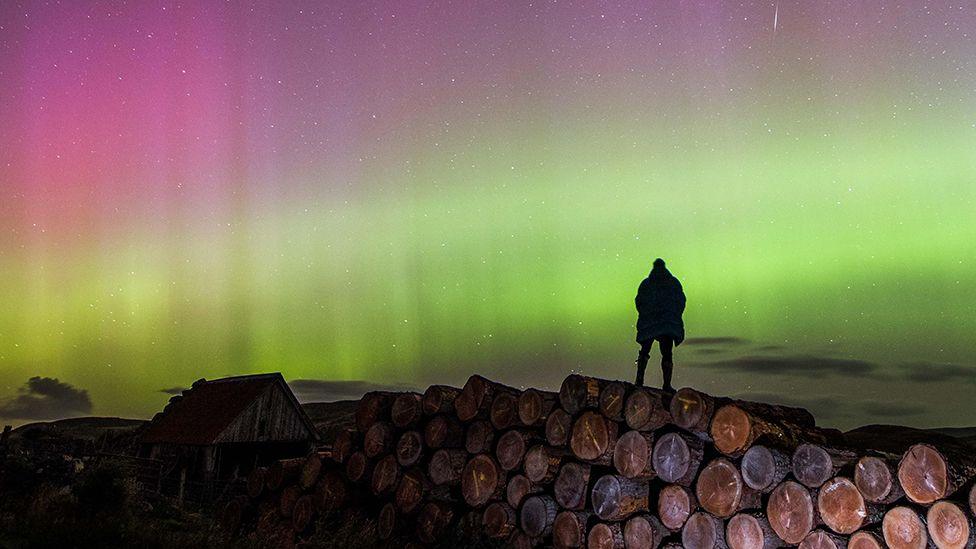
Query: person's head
(659, 263)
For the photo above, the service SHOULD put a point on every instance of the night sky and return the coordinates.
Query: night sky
(362, 194)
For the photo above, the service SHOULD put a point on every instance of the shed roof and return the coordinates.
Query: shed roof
(204, 411)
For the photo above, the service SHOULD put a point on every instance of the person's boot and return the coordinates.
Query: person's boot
(641, 366)
(666, 368)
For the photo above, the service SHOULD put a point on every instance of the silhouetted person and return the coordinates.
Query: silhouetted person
(660, 302)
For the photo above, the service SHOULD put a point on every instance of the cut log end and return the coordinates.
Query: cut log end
(538, 515)
(676, 458)
(903, 529)
(689, 409)
(571, 486)
(534, 406)
(616, 498)
(511, 449)
(569, 529)
(745, 532)
(923, 474)
(481, 480)
(386, 521)
(605, 536)
(703, 531)
(874, 480)
(763, 468)
(385, 475)
(519, 487)
(504, 411)
(410, 448)
(841, 506)
(948, 526)
(674, 506)
(644, 531)
(818, 539)
(579, 392)
(612, 400)
(812, 465)
(410, 491)
(790, 511)
(499, 520)
(719, 488)
(731, 429)
(542, 464)
(593, 436)
(864, 540)
(558, 426)
(433, 520)
(633, 455)
(407, 410)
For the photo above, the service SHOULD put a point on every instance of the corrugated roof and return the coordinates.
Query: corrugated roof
(205, 410)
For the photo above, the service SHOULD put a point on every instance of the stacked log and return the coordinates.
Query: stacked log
(606, 464)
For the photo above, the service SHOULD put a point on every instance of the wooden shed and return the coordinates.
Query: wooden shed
(221, 429)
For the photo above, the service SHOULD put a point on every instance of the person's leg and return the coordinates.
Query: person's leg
(666, 345)
(642, 357)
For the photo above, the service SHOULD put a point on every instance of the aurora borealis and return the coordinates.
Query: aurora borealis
(410, 192)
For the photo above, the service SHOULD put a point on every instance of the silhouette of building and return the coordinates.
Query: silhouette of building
(221, 429)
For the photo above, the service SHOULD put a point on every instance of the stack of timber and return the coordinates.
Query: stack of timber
(606, 464)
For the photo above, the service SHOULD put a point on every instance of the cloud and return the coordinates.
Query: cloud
(931, 372)
(46, 398)
(320, 390)
(173, 390)
(797, 365)
(889, 409)
(715, 341)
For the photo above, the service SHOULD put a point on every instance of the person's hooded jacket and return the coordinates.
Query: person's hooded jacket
(660, 302)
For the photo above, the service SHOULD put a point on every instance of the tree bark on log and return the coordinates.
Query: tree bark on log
(479, 437)
(439, 399)
(904, 528)
(283, 472)
(358, 467)
(558, 426)
(410, 448)
(692, 410)
(927, 475)
(677, 457)
(511, 448)
(385, 475)
(534, 406)
(520, 487)
(644, 530)
(444, 431)
(645, 409)
(675, 503)
(572, 486)
(504, 411)
(763, 468)
(721, 492)
(407, 410)
(736, 427)
(949, 527)
(593, 438)
(843, 509)
(578, 393)
(972, 499)
(570, 528)
(499, 520)
(633, 455)
(615, 498)
(542, 463)
(605, 536)
(386, 521)
(751, 530)
(791, 512)
(482, 481)
(613, 397)
(433, 520)
(373, 406)
(821, 539)
(813, 464)
(447, 465)
(703, 531)
(476, 397)
(865, 540)
(378, 439)
(537, 515)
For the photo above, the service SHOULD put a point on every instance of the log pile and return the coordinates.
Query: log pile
(606, 464)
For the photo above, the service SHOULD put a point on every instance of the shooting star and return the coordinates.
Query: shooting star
(775, 18)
